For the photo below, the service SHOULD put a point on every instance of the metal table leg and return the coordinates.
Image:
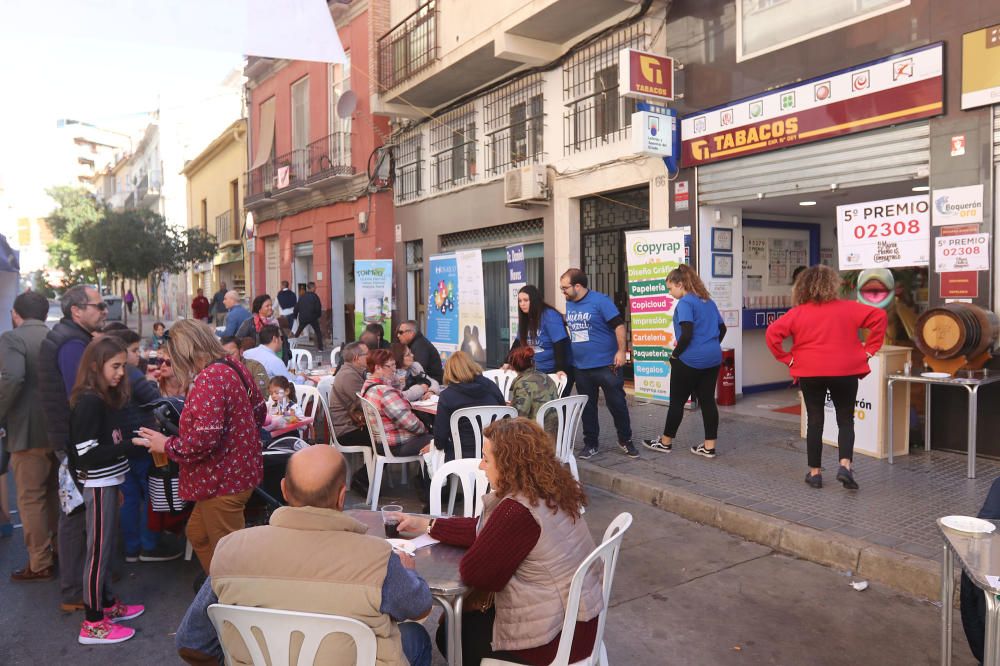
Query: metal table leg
(927, 417)
(452, 607)
(991, 653)
(973, 415)
(889, 392)
(947, 596)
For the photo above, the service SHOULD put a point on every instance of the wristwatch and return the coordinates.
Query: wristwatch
(430, 526)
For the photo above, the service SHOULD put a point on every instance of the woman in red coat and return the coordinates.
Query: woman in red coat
(828, 353)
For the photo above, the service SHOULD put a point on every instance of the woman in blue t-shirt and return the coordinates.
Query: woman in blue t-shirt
(541, 327)
(694, 363)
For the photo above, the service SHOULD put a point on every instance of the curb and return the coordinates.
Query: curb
(916, 576)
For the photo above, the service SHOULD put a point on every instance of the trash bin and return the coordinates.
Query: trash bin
(725, 388)
(114, 307)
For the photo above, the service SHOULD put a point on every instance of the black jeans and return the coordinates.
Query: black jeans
(315, 327)
(686, 381)
(477, 634)
(844, 393)
(588, 383)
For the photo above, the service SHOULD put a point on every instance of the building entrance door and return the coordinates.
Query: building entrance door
(603, 223)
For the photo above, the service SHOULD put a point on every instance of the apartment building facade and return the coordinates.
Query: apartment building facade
(313, 139)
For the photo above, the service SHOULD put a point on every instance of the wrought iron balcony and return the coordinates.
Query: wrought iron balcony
(408, 48)
(224, 231)
(148, 189)
(301, 169)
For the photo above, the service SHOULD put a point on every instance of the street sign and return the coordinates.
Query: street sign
(645, 75)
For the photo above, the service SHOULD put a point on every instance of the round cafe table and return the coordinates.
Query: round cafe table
(438, 565)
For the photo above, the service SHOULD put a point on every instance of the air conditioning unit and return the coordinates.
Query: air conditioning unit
(527, 184)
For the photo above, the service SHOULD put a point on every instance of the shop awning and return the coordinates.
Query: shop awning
(229, 254)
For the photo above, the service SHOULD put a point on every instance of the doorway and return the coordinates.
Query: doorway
(302, 268)
(342, 289)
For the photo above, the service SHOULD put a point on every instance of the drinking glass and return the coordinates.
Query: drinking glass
(390, 519)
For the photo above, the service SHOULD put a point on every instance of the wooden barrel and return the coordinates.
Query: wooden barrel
(956, 329)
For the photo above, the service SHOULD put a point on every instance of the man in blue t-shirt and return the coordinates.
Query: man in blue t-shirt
(597, 338)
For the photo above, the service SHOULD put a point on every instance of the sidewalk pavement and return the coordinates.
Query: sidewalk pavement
(755, 488)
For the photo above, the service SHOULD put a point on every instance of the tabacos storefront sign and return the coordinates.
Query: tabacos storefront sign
(906, 86)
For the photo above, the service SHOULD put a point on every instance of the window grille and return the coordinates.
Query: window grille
(514, 124)
(453, 149)
(409, 166)
(595, 115)
(502, 234)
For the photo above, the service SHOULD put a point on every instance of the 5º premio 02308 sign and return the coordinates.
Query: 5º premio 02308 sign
(884, 234)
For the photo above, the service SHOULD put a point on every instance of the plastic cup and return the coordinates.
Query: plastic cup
(390, 519)
(160, 459)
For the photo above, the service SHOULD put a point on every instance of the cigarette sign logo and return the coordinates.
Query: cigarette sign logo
(821, 91)
(902, 68)
(726, 117)
(651, 69)
(860, 80)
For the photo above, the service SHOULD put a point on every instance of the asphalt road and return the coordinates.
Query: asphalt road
(683, 594)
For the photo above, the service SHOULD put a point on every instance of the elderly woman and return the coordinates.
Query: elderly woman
(521, 559)
(827, 354)
(218, 449)
(405, 433)
(410, 376)
(465, 386)
(531, 389)
(262, 314)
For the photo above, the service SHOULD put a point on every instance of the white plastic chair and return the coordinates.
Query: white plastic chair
(293, 363)
(365, 451)
(502, 378)
(560, 380)
(608, 553)
(335, 356)
(478, 418)
(570, 413)
(276, 628)
(379, 442)
(473, 480)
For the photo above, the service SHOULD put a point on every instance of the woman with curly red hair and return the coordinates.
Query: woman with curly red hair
(522, 553)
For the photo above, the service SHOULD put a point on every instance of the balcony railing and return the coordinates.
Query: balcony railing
(409, 47)
(148, 188)
(326, 158)
(224, 227)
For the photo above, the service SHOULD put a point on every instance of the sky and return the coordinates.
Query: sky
(109, 84)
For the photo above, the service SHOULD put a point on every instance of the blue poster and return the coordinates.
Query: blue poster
(517, 277)
(442, 303)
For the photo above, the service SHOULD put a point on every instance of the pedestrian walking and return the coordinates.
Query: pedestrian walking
(597, 341)
(129, 300)
(828, 354)
(200, 306)
(97, 436)
(218, 308)
(308, 313)
(84, 314)
(695, 360)
(287, 300)
(32, 460)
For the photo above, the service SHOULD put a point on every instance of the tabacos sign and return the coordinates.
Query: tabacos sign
(906, 86)
(645, 75)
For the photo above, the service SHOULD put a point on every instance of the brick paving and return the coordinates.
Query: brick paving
(762, 463)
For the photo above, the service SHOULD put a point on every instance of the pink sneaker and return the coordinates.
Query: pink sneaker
(103, 632)
(120, 611)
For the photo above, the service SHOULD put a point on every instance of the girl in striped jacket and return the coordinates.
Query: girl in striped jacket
(97, 448)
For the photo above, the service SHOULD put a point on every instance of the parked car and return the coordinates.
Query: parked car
(55, 313)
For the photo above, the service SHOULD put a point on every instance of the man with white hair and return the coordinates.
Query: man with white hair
(236, 314)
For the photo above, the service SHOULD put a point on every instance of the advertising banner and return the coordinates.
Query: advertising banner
(472, 304)
(516, 278)
(884, 234)
(372, 294)
(650, 256)
(962, 253)
(866, 410)
(884, 92)
(442, 303)
(645, 75)
(456, 306)
(958, 205)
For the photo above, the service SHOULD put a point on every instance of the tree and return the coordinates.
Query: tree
(76, 208)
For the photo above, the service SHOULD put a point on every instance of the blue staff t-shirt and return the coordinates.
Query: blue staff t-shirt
(704, 350)
(593, 342)
(551, 330)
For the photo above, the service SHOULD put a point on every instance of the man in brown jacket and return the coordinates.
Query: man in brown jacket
(313, 558)
(31, 457)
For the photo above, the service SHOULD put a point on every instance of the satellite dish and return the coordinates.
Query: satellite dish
(346, 104)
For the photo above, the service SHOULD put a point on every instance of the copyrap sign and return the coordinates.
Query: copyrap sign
(884, 234)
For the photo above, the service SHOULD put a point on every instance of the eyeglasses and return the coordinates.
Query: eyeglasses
(404, 330)
(567, 287)
(102, 306)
